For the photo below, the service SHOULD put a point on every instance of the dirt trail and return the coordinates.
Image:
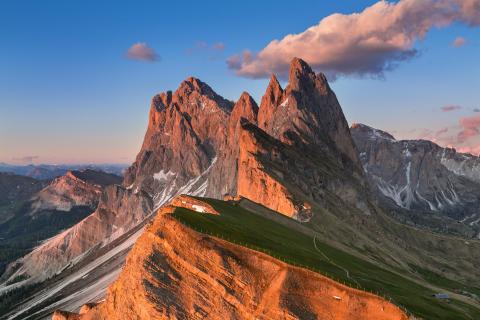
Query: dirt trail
(332, 262)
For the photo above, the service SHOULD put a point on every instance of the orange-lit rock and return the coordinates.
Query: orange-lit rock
(255, 184)
(174, 272)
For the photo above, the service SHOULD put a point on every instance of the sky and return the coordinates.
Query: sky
(76, 77)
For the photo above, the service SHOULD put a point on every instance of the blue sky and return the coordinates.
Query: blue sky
(68, 94)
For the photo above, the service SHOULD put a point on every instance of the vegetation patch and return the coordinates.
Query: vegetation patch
(240, 226)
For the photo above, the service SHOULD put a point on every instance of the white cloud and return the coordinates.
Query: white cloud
(141, 51)
(365, 43)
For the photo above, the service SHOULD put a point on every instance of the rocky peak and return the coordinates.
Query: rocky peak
(161, 101)
(194, 89)
(307, 111)
(245, 107)
(270, 100)
(369, 132)
(302, 78)
(68, 191)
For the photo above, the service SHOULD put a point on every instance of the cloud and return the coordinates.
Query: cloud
(219, 46)
(449, 108)
(26, 159)
(366, 43)
(470, 127)
(142, 52)
(475, 150)
(458, 42)
(476, 109)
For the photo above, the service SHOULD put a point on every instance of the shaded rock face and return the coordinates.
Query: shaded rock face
(176, 273)
(185, 135)
(195, 144)
(309, 110)
(420, 176)
(118, 211)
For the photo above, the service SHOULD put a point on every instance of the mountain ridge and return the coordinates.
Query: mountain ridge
(297, 158)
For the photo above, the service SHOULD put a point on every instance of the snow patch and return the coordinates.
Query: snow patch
(284, 103)
(163, 176)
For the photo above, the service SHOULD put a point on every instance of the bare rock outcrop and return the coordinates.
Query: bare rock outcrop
(422, 182)
(174, 272)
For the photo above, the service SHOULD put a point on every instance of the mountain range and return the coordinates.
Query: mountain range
(51, 171)
(421, 182)
(290, 214)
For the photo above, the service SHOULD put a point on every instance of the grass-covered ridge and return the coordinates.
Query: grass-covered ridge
(243, 227)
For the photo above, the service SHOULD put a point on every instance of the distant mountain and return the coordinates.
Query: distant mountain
(30, 213)
(424, 184)
(50, 171)
(290, 162)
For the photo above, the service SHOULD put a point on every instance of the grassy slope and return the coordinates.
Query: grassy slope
(238, 225)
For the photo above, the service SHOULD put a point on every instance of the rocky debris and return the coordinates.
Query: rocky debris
(420, 176)
(175, 272)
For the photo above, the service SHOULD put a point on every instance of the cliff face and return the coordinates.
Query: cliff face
(201, 144)
(422, 178)
(174, 272)
(307, 110)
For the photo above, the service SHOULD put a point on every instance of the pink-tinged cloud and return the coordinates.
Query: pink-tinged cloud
(459, 42)
(366, 43)
(142, 52)
(475, 150)
(470, 127)
(449, 108)
(219, 46)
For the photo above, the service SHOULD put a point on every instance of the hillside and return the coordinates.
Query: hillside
(172, 265)
(293, 158)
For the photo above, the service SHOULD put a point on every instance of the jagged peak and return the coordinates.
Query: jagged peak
(245, 107)
(273, 92)
(247, 100)
(299, 66)
(274, 83)
(161, 101)
(302, 77)
(371, 132)
(193, 85)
